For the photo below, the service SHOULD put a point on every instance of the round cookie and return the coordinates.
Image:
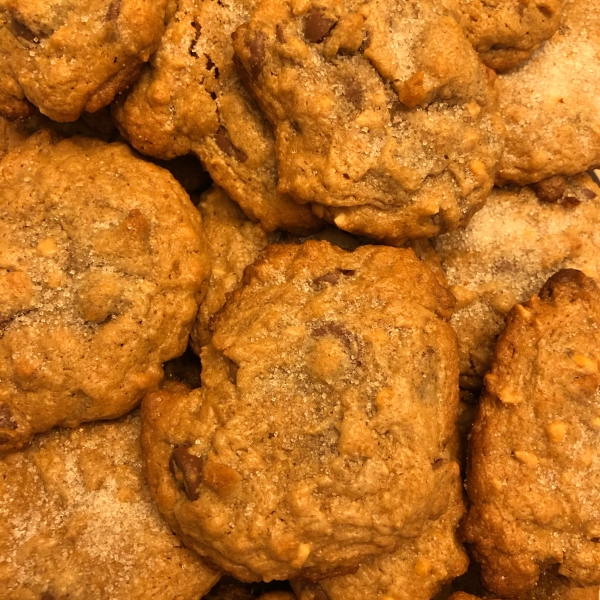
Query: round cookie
(102, 266)
(416, 571)
(550, 104)
(534, 474)
(508, 250)
(67, 57)
(190, 99)
(505, 33)
(318, 437)
(78, 522)
(384, 116)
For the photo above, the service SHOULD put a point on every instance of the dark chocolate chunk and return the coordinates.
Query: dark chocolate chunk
(187, 469)
(332, 278)
(550, 190)
(349, 339)
(257, 54)
(279, 34)
(23, 32)
(317, 27)
(227, 146)
(353, 93)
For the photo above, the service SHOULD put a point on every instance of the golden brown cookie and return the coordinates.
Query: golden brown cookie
(102, 265)
(534, 474)
(510, 247)
(550, 103)
(78, 522)
(67, 57)
(416, 571)
(506, 32)
(190, 99)
(318, 437)
(384, 116)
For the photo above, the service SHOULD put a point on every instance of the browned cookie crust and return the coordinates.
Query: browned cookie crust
(77, 522)
(510, 247)
(66, 57)
(190, 99)
(102, 265)
(506, 32)
(551, 105)
(534, 475)
(384, 116)
(317, 440)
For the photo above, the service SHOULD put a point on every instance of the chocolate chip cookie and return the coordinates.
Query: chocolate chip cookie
(190, 99)
(102, 266)
(534, 474)
(507, 32)
(330, 387)
(548, 588)
(416, 571)
(78, 522)
(384, 116)
(550, 103)
(510, 247)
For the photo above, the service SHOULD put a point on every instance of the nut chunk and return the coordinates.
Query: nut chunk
(318, 438)
(534, 476)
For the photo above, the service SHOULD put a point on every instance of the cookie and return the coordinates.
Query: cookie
(65, 58)
(505, 33)
(235, 242)
(550, 103)
(78, 522)
(190, 99)
(384, 116)
(102, 266)
(317, 440)
(510, 247)
(416, 571)
(533, 479)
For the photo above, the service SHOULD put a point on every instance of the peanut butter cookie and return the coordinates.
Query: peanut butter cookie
(510, 247)
(534, 474)
(66, 57)
(78, 522)
(384, 116)
(550, 104)
(102, 266)
(330, 388)
(190, 99)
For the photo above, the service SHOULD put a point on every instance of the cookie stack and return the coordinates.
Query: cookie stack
(345, 255)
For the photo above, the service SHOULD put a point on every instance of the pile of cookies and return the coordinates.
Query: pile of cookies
(280, 280)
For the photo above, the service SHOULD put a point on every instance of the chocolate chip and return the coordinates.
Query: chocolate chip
(279, 34)
(562, 278)
(187, 469)
(587, 193)
(7, 421)
(332, 278)
(113, 10)
(353, 93)
(317, 27)
(571, 201)
(232, 371)
(22, 31)
(348, 338)
(257, 54)
(550, 190)
(226, 145)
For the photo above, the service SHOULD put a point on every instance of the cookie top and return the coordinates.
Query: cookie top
(318, 437)
(190, 99)
(102, 267)
(384, 116)
(67, 57)
(77, 521)
(510, 247)
(551, 103)
(534, 474)
(505, 33)
(417, 570)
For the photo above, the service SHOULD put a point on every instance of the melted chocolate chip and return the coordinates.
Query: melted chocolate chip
(187, 469)
(317, 27)
(7, 421)
(571, 201)
(257, 54)
(114, 10)
(550, 190)
(232, 371)
(22, 31)
(226, 145)
(279, 34)
(587, 193)
(332, 278)
(562, 278)
(348, 338)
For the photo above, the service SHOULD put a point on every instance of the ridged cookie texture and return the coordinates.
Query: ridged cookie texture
(318, 438)
(103, 262)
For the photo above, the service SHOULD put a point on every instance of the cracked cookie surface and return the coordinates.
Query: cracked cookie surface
(78, 522)
(534, 476)
(102, 266)
(318, 438)
(66, 57)
(384, 116)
